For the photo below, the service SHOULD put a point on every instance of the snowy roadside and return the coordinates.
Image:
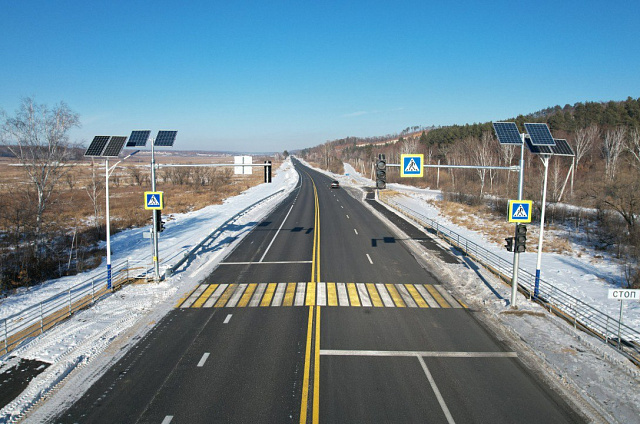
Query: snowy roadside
(117, 322)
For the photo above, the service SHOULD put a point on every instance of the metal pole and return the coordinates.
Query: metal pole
(620, 328)
(516, 254)
(545, 161)
(106, 173)
(6, 337)
(156, 265)
(41, 320)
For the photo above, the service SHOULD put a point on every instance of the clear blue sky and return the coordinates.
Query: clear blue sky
(275, 75)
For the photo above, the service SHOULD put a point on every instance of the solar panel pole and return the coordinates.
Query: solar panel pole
(516, 254)
(156, 265)
(536, 289)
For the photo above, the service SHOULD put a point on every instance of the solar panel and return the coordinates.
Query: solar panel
(165, 138)
(540, 134)
(507, 133)
(138, 138)
(562, 148)
(114, 147)
(97, 145)
(537, 150)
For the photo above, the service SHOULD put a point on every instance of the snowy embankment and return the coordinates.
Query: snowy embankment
(130, 312)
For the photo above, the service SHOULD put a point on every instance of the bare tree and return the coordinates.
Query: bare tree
(481, 154)
(94, 189)
(409, 146)
(38, 137)
(633, 146)
(584, 140)
(613, 146)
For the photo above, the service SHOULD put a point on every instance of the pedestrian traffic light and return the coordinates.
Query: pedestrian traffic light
(509, 244)
(521, 238)
(381, 172)
(159, 221)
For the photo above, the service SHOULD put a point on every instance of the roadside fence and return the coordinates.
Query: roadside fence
(580, 314)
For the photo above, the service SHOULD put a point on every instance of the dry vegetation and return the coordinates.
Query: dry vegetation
(74, 222)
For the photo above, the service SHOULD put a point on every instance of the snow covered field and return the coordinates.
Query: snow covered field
(87, 344)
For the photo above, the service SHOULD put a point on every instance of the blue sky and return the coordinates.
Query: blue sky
(276, 75)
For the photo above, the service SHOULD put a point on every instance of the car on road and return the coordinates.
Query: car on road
(335, 184)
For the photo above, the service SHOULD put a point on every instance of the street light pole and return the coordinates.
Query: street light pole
(545, 161)
(108, 226)
(156, 264)
(516, 254)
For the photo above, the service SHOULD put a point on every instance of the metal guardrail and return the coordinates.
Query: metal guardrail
(38, 318)
(582, 315)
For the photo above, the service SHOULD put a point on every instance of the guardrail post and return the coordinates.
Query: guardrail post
(92, 290)
(41, 320)
(6, 337)
(606, 331)
(69, 301)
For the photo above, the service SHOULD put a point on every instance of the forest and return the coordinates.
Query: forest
(595, 195)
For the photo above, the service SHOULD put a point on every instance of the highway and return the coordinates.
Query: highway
(321, 314)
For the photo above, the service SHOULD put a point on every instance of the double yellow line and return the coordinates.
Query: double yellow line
(311, 340)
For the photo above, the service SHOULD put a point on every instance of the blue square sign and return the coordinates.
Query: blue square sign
(520, 210)
(411, 165)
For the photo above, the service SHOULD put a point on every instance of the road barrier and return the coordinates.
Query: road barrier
(580, 314)
(40, 317)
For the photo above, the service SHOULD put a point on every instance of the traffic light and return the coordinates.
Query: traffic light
(381, 172)
(521, 238)
(159, 221)
(509, 244)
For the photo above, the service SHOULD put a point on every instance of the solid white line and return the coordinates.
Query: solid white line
(369, 257)
(443, 405)
(356, 231)
(203, 359)
(266, 263)
(167, 419)
(432, 354)
(276, 234)
(227, 319)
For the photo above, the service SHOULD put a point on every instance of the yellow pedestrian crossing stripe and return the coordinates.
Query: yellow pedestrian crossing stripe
(321, 294)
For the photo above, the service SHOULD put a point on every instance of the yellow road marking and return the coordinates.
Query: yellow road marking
(225, 296)
(373, 294)
(397, 299)
(305, 379)
(204, 296)
(268, 294)
(316, 372)
(185, 297)
(437, 296)
(332, 295)
(311, 294)
(353, 294)
(246, 297)
(416, 296)
(288, 295)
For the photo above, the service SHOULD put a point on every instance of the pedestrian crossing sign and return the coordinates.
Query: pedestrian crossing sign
(153, 200)
(411, 165)
(520, 210)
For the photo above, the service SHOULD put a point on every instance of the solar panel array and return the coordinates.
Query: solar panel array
(97, 145)
(138, 138)
(114, 147)
(507, 133)
(537, 150)
(165, 138)
(540, 134)
(562, 148)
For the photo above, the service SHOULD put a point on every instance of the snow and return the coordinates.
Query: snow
(603, 382)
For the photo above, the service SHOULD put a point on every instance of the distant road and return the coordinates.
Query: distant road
(320, 315)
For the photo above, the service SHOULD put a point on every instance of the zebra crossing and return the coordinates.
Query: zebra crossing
(321, 294)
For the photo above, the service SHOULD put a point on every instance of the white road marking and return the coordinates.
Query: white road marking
(321, 295)
(447, 296)
(355, 231)
(276, 234)
(204, 358)
(167, 419)
(435, 389)
(257, 296)
(427, 296)
(194, 296)
(299, 301)
(369, 257)
(266, 263)
(343, 298)
(426, 354)
(384, 295)
(236, 295)
(347, 216)
(277, 298)
(406, 296)
(227, 319)
(364, 296)
(342, 206)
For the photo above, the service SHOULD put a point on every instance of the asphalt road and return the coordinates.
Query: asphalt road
(396, 347)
